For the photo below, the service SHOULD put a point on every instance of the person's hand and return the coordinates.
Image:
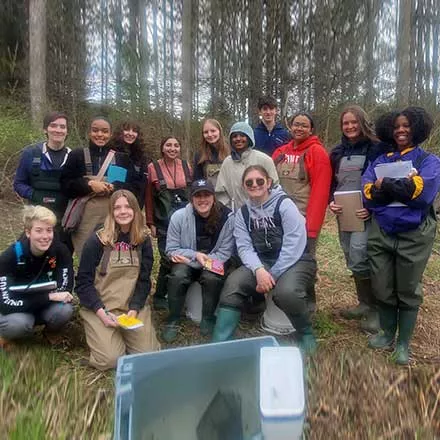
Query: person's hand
(265, 281)
(98, 187)
(412, 173)
(362, 214)
(107, 318)
(180, 259)
(202, 258)
(336, 209)
(378, 183)
(153, 231)
(65, 297)
(132, 313)
(110, 187)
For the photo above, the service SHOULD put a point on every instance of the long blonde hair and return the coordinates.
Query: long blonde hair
(222, 146)
(109, 233)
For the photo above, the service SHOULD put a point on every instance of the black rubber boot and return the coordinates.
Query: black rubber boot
(160, 295)
(364, 294)
(388, 324)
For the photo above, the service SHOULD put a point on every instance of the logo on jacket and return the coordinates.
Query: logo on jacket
(52, 262)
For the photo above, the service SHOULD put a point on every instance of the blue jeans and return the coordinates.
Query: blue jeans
(21, 325)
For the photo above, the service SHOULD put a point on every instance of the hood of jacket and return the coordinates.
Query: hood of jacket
(246, 129)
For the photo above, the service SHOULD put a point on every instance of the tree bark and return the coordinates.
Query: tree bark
(37, 59)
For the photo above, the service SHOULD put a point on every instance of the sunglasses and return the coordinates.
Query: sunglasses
(259, 182)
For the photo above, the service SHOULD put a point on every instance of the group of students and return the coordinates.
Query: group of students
(252, 208)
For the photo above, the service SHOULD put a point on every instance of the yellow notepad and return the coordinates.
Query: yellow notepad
(129, 322)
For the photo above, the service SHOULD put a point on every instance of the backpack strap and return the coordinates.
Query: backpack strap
(186, 172)
(18, 247)
(88, 161)
(276, 214)
(157, 168)
(105, 260)
(245, 214)
(36, 160)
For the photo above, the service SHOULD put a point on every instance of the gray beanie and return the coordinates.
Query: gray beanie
(245, 128)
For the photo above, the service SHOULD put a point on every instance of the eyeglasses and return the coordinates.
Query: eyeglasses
(259, 182)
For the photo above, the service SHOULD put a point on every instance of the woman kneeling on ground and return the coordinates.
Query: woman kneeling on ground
(114, 279)
(199, 234)
(271, 240)
(36, 280)
(403, 225)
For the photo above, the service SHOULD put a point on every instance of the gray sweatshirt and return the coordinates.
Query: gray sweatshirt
(294, 230)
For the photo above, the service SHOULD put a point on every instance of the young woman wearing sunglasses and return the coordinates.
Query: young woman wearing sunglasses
(271, 239)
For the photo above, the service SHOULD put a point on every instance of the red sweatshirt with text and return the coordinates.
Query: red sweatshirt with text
(318, 168)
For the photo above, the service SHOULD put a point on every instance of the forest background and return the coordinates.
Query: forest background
(169, 64)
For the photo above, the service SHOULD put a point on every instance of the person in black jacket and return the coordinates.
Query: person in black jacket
(114, 279)
(129, 139)
(36, 280)
(359, 148)
(77, 179)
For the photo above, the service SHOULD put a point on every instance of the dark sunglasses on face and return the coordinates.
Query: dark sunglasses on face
(259, 182)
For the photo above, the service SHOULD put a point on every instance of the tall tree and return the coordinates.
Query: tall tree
(37, 59)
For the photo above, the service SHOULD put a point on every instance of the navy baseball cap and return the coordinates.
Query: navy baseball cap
(201, 185)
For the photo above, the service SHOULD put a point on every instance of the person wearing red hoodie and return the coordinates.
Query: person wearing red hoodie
(305, 173)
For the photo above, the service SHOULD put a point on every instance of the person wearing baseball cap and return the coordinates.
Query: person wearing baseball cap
(199, 235)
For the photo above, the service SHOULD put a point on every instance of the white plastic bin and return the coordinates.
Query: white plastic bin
(282, 395)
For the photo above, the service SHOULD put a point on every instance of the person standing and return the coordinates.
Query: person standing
(403, 225)
(169, 180)
(213, 151)
(38, 174)
(269, 134)
(359, 147)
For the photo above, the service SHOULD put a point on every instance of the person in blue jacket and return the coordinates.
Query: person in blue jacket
(271, 238)
(38, 175)
(403, 226)
(269, 134)
(198, 233)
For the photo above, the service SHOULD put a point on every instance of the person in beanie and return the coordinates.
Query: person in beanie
(197, 234)
(269, 134)
(229, 189)
(403, 226)
(359, 147)
(271, 239)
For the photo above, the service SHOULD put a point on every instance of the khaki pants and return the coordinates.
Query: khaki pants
(107, 344)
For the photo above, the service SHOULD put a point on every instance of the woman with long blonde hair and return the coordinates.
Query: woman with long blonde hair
(114, 279)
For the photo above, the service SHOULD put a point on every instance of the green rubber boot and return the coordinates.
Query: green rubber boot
(207, 326)
(371, 323)
(170, 331)
(227, 322)
(388, 324)
(307, 342)
(407, 323)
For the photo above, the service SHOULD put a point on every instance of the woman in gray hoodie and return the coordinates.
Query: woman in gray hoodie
(271, 239)
(199, 243)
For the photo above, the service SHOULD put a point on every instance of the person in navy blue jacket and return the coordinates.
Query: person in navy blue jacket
(403, 225)
(269, 134)
(37, 178)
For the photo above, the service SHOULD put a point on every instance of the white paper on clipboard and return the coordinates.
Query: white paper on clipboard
(395, 170)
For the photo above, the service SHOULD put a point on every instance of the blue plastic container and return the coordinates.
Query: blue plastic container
(163, 395)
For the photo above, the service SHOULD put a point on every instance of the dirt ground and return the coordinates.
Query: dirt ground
(353, 392)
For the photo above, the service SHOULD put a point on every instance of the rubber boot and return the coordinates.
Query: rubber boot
(371, 323)
(388, 324)
(207, 325)
(407, 323)
(227, 322)
(364, 294)
(307, 342)
(160, 295)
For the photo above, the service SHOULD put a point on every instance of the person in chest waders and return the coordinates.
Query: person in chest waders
(305, 173)
(113, 279)
(213, 151)
(38, 175)
(169, 179)
(359, 147)
(403, 226)
(271, 240)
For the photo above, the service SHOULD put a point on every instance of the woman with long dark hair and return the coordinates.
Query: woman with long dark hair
(359, 147)
(114, 279)
(403, 224)
(169, 179)
(198, 234)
